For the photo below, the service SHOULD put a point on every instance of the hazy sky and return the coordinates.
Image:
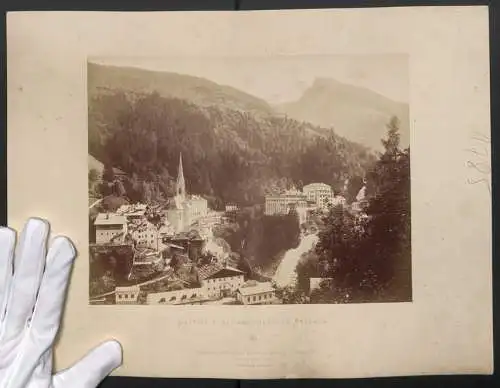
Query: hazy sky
(284, 78)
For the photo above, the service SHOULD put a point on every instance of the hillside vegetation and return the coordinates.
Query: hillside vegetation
(234, 148)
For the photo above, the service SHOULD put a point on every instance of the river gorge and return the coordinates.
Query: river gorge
(285, 274)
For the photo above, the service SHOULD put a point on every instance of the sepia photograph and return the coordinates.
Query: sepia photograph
(249, 181)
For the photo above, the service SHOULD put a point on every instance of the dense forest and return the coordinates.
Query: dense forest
(248, 237)
(228, 155)
(366, 259)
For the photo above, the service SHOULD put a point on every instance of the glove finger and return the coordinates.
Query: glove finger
(52, 294)
(46, 317)
(29, 262)
(7, 246)
(91, 369)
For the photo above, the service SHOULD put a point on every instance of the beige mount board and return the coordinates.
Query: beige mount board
(446, 328)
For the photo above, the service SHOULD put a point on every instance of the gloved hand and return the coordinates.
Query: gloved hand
(33, 282)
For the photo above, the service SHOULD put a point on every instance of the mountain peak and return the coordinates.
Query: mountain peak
(356, 113)
(324, 82)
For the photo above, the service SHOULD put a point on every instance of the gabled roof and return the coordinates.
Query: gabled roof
(117, 171)
(110, 219)
(127, 289)
(259, 288)
(209, 271)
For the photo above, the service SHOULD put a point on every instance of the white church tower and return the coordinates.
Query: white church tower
(180, 188)
(178, 216)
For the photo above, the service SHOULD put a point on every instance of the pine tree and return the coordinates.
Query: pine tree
(371, 261)
(390, 225)
(338, 250)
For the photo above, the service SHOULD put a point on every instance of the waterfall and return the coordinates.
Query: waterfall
(285, 274)
(215, 247)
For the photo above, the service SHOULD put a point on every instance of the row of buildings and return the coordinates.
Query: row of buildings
(216, 282)
(131, 221)
(314, 196)
(181, 276)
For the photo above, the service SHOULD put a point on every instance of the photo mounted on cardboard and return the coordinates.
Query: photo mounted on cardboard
(244, 201)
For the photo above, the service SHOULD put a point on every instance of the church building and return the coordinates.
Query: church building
(185, 210)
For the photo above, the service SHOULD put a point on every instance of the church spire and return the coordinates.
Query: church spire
(181, 184)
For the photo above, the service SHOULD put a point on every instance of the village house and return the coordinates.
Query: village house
(220, 281)
(108, 227)
(127, 295)
(259, 293)
(145, 235)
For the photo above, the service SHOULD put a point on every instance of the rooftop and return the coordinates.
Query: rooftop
(209, 270)
(197, 197)
(110, 219)
(317, 185)
(127, 289)
(293, 191)
(134, 209)
(259, 288)
(117, 171)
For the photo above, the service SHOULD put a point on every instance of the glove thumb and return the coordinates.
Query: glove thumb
(92, 368)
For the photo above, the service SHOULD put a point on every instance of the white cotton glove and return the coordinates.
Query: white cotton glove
(33, 286)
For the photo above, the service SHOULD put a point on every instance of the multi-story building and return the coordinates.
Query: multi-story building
(220, 281)
(110, 228)
(283, 203)
(198, 207)
(145, 235)
(319, 193)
